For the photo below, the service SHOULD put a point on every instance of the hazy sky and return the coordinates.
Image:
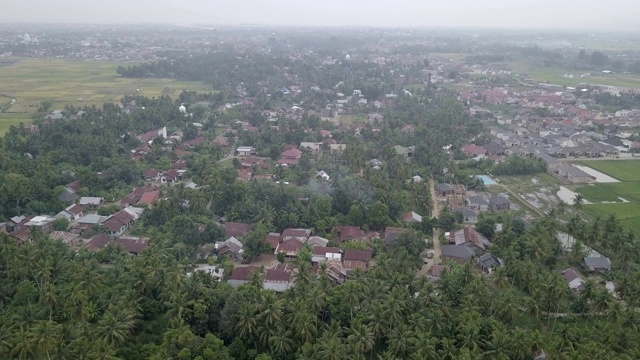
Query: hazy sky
(549, 14)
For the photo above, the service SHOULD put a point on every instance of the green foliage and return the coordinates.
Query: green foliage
(516, 165)
(61, 224)
(108, 210)
(378, 215)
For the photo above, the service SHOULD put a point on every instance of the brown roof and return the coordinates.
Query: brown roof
(179, 165)
(274, 239)
(358, 255)
(296, 233)
(151, 173)
(236, 229)
(243, 273)
(277, 275)
(98, 242)
(291, 154)
(75, 186)
(350, 233)
(113, 224)
(172, 174)
(197, 141)
(132, 244)
(149, 197)
(22, 235)
(290, 246)
(75, 209)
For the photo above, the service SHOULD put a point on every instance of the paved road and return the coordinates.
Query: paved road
(437, 252)
(231, 154)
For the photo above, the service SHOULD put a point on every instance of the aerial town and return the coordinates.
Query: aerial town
(319, 194)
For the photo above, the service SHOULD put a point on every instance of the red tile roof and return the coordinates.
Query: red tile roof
(98, 242)
(75, 209)
(132, 244)
(350, 233)
(75, 186)
(474, 149)
(323, 250)
(149, 197)
(290, 246)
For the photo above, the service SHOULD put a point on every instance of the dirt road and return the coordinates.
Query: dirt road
(437, 253)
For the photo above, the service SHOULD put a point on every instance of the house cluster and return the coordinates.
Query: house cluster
(467, 245)
(470, 203)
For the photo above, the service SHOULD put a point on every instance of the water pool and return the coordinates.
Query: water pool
(486, 179)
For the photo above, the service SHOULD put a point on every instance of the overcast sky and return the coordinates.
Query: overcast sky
(539, 14)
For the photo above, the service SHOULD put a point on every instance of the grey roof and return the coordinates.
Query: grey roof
(91, 219)
(88, 200)
(476, 199)
(499, 200)
(457, 251)
(466, 212)
(550, 160)
(444, 187)
(601, 262)
(573, 171)
(488, 260)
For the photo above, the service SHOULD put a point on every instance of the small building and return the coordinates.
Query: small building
(573, 175)
(478, 203)
(298, 234)
(91, 202)
(445, 189)
(237, 230)
(393, 233)
(599, 264)
(213, 271)
(411, 218)
(290, 248)
(357, 259)
(458, 253)
(489, 262)
(322, 254)
(499, 203)
(71, 213)
(336, 271)
(242, 275)
(573, 279)
(277, 279)
(348, 233)
(468, 215)
(231, 247)
(246, 151)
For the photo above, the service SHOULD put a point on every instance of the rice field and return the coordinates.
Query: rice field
(78, 83)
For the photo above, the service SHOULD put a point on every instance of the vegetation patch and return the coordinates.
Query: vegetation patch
(622, 211)
(597, 193)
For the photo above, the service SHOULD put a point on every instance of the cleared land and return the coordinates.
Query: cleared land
(555, 75)
(78, 83)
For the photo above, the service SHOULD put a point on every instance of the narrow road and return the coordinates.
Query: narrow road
(437, 252)
(231, 154)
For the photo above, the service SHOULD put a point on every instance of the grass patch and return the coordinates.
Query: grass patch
(77, 83)
(623, 170)
(9, 119)
(597, 193)
(623, 211)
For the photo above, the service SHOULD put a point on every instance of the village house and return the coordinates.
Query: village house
(290, 157)
(246, 151)
(290, 248)
(237, 230)
(117, 223)
(298, 234)
(90, 202)
(357, 259)
(405, 152)
(474, 151)
(489, 262)
(470, 238)
(445, 189)
(336, 271)
(573, 175)
(596, 263)
(391, 234)
(71, 213)
(574, 280)
(242, 275)
(458, 253)
(468, 215)
(231, 247)
(499, 203)
(477, 203)
(411, 218)
(278, 279)
(322, 254)
(148, 137)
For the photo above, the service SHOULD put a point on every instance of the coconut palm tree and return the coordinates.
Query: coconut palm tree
(360, 339)
(247, 325)
(24, 345)
(281, 343)
(116, 324)
(47, 335)
(330, 348)
(578, 201)
(401, 339)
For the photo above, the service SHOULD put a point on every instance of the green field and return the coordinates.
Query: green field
(78, 83)
(628, 172)
(597, 193)
(623, 170)
(554, 75)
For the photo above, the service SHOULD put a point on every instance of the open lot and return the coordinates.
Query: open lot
(623, 170)
(78, 83)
